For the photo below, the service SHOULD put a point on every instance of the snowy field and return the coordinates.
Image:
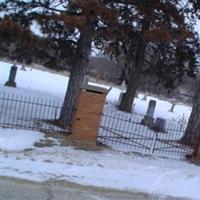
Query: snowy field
(48, 85)
(20, 156)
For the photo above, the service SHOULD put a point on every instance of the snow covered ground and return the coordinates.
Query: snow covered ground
(19, 157)
(45, 86)
(18, 140)
(124, 131)
(102, 168)
(35, 82)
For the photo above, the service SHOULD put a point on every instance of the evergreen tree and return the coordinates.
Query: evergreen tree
(22, 45)
(192, 134)
(158, 41)
(76, 22)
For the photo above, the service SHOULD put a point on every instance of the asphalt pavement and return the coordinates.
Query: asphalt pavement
(17, 189)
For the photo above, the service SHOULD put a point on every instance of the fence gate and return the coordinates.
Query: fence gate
(124, 131)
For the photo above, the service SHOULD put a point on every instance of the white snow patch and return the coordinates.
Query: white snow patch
(109, 169)
(18, 140)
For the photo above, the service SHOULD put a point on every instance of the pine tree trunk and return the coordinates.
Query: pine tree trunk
(128, 97)
(133, 83)
(192, 132)
(77, 73)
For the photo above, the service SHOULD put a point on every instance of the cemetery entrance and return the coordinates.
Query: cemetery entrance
(128, 132)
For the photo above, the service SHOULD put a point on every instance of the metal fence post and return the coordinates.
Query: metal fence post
(154, 143)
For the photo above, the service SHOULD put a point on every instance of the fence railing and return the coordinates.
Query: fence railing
(125, 131)
(29, 112)
(117, 129)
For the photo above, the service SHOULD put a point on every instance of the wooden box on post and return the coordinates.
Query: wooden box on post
(88, 114)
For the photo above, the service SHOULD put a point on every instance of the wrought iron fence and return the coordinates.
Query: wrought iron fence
(126, 132)
(29, 112)
(117, 129)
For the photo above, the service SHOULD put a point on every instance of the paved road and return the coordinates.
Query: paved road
(15, 189)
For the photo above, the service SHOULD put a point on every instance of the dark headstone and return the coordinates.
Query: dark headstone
(120, 98)
(11, 80)
(151, 108)
(172, 107)
(160, 124)
(148, 119)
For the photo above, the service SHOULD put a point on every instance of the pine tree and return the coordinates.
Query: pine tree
(153, 27)
(22, 45)
(192, 133)
(76, 22)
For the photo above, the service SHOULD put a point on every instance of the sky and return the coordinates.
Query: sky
(198, 27)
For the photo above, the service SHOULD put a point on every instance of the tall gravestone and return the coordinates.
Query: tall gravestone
(120, 98)
(11, 80)
(148, 119)
(172, 107)
(160, 125)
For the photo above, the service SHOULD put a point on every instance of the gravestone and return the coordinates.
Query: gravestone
(144, 98)
(172, 107)
(11, 80)
(120, 98)
(148, 119)
(160, 124)
(23, 68)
